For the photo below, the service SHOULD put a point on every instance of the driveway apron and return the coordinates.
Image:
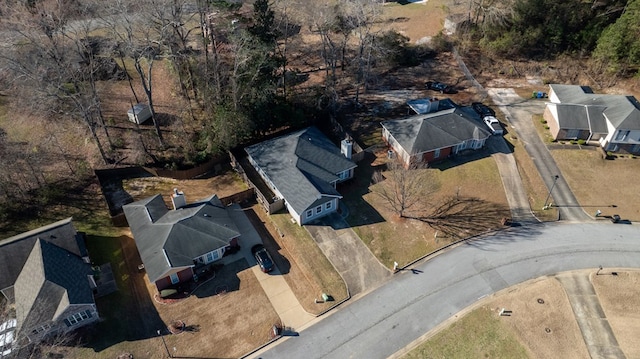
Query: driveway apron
(595, 328)
(518, 111)
(359, 268)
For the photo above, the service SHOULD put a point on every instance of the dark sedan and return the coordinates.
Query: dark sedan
(439, 86)
(263, 258)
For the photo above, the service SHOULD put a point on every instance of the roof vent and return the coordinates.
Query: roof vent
(206, 215)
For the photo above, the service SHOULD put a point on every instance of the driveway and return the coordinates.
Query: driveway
(276, 288)
(596, 331)
(519, 111)
(511, 181)
(398, 313)
(359, 268)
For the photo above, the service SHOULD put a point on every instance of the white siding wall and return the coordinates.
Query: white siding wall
(323, 211)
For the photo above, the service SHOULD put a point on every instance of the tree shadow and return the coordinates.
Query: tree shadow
(226, 280)
(269, 242)
(463, 217)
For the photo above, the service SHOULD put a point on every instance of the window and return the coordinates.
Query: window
(174, 278)
(77, 318)
(309, 213)
(327, 205)
(212, 256)
(622, 135)
(41, 329)
(436, 153)
(318, 209)
(573, 133)
(635, 149)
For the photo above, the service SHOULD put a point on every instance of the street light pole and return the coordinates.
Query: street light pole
(555, 179)
(165, 344)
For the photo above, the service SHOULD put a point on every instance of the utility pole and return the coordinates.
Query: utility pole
(555, 179)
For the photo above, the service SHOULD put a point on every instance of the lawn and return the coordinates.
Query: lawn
(480, 334)
(476, 184)
(598, 183)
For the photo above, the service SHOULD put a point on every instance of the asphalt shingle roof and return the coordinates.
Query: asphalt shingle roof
(301, 165)
(15, 250)
(622, 111)
(174, 238)
(52, 278)
(425, 133)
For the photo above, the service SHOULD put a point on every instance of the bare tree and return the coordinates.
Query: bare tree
(405, 190)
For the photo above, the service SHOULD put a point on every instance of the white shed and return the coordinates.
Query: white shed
(139, 113)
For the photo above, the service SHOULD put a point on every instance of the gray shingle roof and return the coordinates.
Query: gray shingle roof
(425, 133)
(622, 111)
(15, 250)
(52, 278)
(174, 238)
(301, 165)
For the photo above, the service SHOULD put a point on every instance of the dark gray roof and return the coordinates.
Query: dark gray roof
(622, 111)
(52, 279)
(425, 133)
(581, 117)
(15, 250)
(174, 238)
(302, 165)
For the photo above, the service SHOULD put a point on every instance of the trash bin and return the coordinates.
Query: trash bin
(615, 218)
(325, 297)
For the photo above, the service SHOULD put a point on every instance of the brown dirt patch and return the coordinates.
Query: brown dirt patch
(530, 319)
(224, 325)
(620, 301)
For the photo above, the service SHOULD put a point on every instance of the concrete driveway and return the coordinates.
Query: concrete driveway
(398, 313)
(511, 181)
(359, 268)
(519, 110)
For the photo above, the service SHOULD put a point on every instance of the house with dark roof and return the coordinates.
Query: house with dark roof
(172, 243)
(434, 136)
(303, 168)
(575, 112)
(47, 277)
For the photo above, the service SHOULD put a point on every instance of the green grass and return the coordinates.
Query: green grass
(479, 334)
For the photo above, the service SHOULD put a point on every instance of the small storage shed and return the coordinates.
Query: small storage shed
(139, 113)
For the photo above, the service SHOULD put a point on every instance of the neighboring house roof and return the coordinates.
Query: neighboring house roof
(428, 105)
(622, 111)
(15, 250)
(302, 166)
(52, 279)
(168, 239)
(425, 133)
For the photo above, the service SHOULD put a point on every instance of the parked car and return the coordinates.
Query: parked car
(494, 125)
(263, 258)
(482, 109)
(439, 86)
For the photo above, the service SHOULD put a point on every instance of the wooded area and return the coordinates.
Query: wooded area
(234, 73)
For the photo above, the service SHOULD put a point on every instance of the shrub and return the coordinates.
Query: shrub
(582, 142)
(573, 142)
(546, 127)
(543, 121)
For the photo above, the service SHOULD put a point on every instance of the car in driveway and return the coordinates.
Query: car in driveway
(493, 124)
(439, 86)
(263, 258)
(482, 109)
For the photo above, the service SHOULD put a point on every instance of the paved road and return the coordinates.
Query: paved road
(596, 331)
(397, 313)
(519, 112)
